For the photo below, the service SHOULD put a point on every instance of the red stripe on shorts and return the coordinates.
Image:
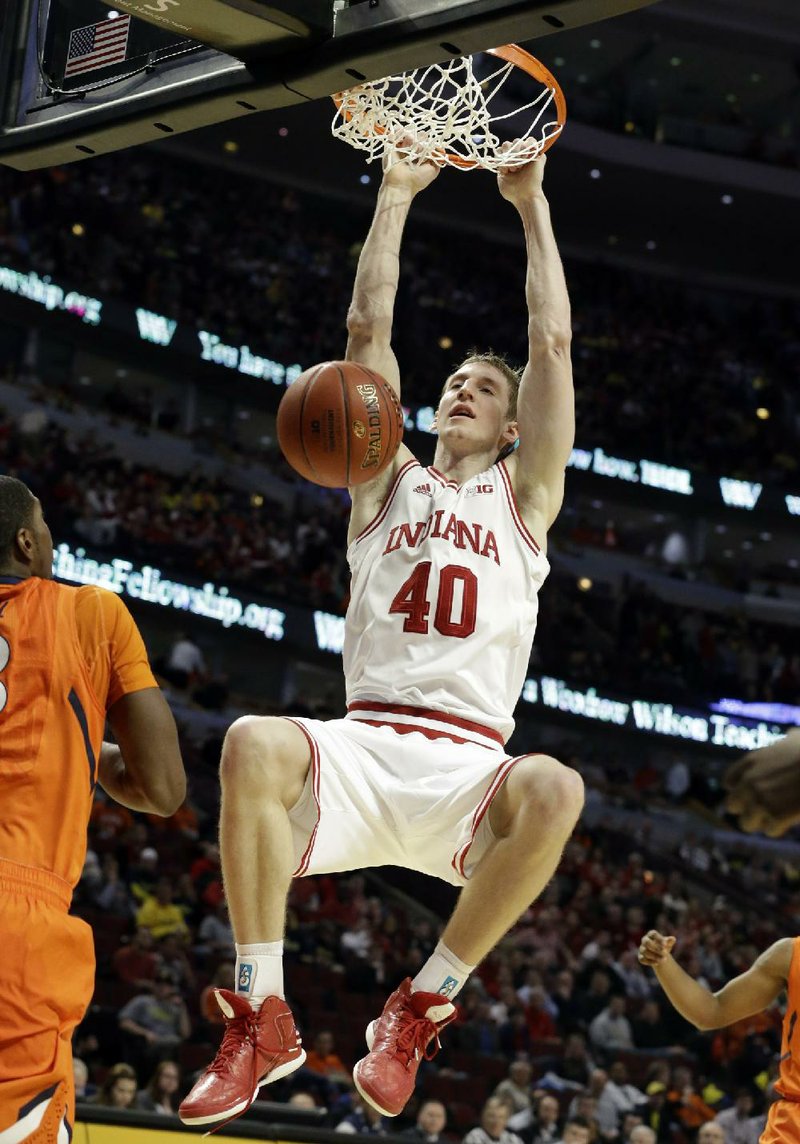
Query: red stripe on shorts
(312, 742)
(502, 773)
(425, 713)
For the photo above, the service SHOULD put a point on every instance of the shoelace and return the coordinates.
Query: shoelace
(418, 1035)
(238, 1029)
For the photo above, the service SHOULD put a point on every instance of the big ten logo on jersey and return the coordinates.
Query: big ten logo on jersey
(476, 490)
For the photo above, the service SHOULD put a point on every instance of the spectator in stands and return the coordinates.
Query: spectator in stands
(546, 1120)
(610, 1029)
(493, 1128)
(640, 1134)
(364, 1120)
(206, 875)
(161, 1092)
(112, 895)
(109, 820)
(137, 962)
(184, 821)
(651, 1032)
(156, 1023)
(516, 1087)
(118, 1089)
(214, 934)
(688, 1106)
(160, 914)
(541, 1025)
(478, 1033)
(507, 1001)
(711, 1133)
(80, 1073)
(576, 1131)
(91, 879)
(356, 940)
(323, 1060)
(184, 664)
(595, 998)
(173, 956)
(657, 1114)
(636, 983)
(574, 1066)
(616, 1098)
(738, 1122)
(630, 1120)
(143, 875)
(303, 1100)
(431, 1123)
(570, 1013)
(584, 1106)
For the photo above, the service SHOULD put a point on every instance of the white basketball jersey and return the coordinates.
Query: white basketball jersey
(444, 599)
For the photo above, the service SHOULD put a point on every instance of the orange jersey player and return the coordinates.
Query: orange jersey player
(69, 658)
(775, 970)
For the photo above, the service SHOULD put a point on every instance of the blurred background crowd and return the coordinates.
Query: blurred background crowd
(147, 455)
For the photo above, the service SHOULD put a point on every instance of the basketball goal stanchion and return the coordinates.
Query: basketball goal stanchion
(466, 113)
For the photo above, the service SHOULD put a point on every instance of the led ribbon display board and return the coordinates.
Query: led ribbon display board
(727, 724)
(166, 333)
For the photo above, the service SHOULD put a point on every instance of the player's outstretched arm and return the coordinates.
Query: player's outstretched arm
(764, 787)
(749, 993)
(546, 403)
(145, 772)
(371, 312)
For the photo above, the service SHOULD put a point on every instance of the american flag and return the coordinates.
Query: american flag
(97, 46)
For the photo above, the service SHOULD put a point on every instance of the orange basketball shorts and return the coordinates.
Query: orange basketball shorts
(783, 1123)
(46, 983)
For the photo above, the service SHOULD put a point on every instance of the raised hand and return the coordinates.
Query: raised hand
(520, 183)
(405, 172)
(655, 948)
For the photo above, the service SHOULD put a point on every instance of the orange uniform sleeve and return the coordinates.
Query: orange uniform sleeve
(112, 646)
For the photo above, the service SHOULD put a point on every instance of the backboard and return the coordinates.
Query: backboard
(79, 78)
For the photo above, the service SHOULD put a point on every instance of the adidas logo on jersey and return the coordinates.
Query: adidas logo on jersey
(426, 490)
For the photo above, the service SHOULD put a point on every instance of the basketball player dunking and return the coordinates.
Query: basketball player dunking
(446, 565)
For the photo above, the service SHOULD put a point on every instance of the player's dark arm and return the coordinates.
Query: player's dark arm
(751, 992)
(145, 771)
(371, 312)
(546, 403)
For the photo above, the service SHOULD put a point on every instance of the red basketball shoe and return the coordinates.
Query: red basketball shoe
(257, 1048)
(398, 1041)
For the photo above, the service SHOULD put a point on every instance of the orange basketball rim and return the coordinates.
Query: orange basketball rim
(447, 114)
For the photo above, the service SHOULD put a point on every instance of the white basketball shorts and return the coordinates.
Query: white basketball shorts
(377, 797)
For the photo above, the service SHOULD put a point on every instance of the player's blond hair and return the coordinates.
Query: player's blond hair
(502, 365)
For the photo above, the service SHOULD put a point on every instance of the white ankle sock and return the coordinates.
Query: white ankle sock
(442, 973)
(259, 971)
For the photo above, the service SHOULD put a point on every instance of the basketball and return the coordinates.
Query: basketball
(339, 424)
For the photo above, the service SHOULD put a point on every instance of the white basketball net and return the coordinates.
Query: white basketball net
(443, 113)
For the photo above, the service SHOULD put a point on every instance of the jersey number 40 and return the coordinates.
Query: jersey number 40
(412, 601)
